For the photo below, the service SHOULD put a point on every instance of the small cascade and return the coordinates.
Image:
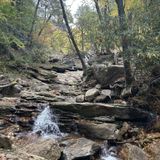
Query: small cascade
(108, 153)
(46, 124)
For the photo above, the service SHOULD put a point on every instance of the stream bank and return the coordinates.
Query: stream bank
(89, 115)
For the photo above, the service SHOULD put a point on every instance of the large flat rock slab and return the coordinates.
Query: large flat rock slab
(79, 149)
(91, 110)
(94, 130)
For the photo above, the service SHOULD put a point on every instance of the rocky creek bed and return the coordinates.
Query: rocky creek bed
(93, 117)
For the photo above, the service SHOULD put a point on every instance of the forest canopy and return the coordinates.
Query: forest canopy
(37, 28)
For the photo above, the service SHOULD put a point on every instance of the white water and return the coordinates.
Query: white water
(46, 124)
(108, 154)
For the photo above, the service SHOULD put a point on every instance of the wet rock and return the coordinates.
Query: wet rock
(132, 152)
(106, 76)
(46, 148)
(93, 130)
(5, 142)
(80, 98)
(79, 149)
(91, 94)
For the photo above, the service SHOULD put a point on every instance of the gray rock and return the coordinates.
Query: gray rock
(132, 152)
(107, 75)
(91, 94)
(41, 97)
(101, 99)
(107, 93)
(39, 88)
(80, 148)
(19, 155)
(95, 130)
(80, 98)
(105, 96)
(90, 110)
(98, 86)
(17, 88)
(46, 148)
(5, 142)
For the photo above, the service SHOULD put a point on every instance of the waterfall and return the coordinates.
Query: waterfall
(46, 124)
(108, 153)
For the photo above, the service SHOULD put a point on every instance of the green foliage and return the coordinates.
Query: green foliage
(14, 23)
(144, 34)
(142, 31)
(87, 22)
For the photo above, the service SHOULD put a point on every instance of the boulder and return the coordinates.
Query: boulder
(80, 148)
(91, 94)
(80, 98)
(98, 86)
(5, 142)
(95, 130)
(46, 148)
(105, 96)
(101, 99)
(132, 152)
(107, 93)
(129, 92)
(107, 75)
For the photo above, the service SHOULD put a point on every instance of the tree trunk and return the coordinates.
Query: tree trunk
(72, 37)
(125, 43)
(82, 36)
(98, 11)
(102, 26)
(33, 23)
(44, 25)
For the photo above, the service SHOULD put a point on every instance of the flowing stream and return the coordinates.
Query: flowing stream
(46, 124)
(108, 153)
